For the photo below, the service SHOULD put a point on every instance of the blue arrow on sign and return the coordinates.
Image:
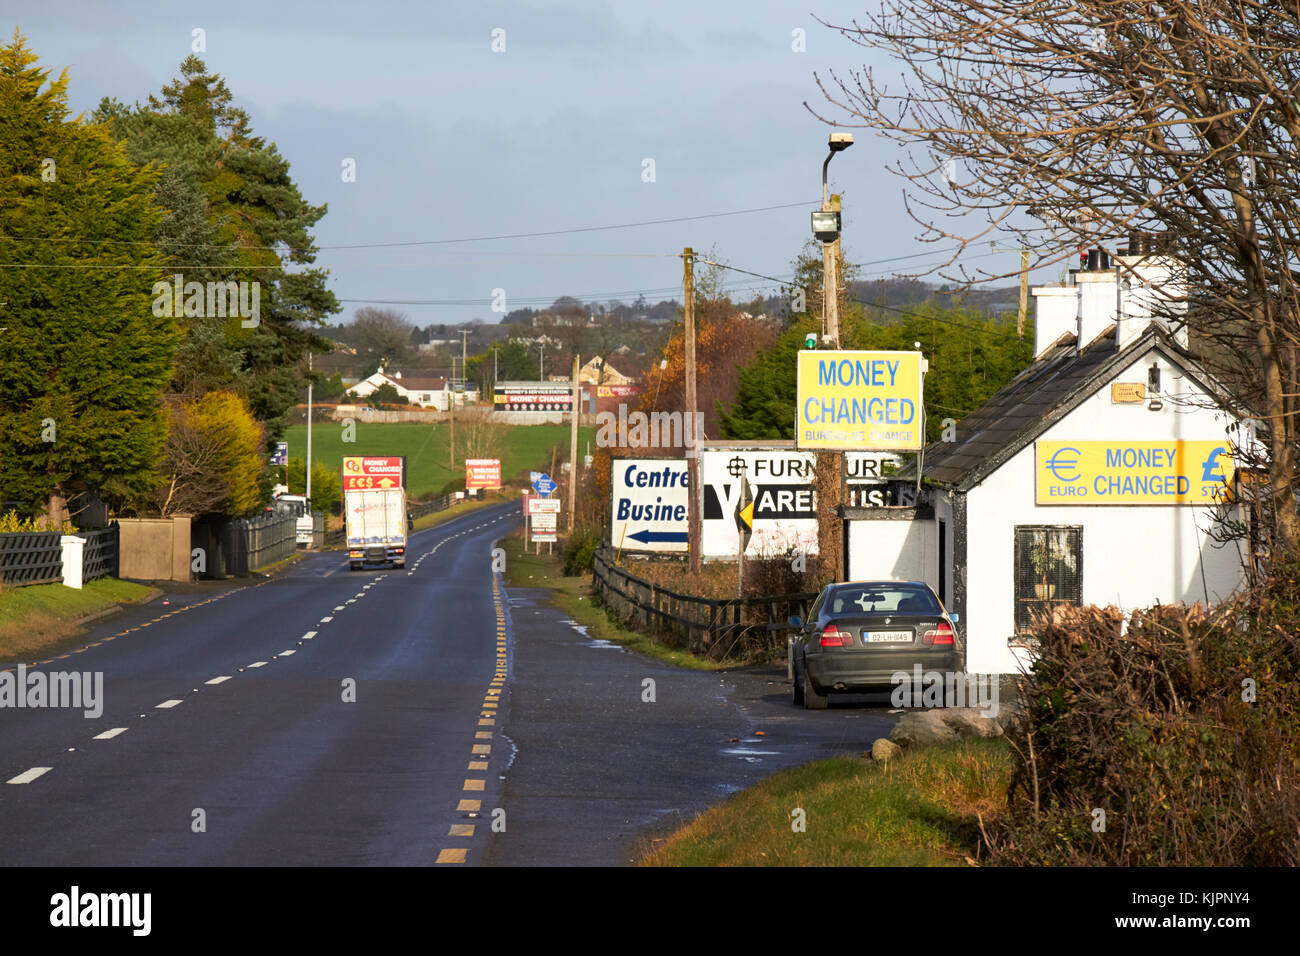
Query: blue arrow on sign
(647, 537)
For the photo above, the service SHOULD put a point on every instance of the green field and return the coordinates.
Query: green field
(525, 448)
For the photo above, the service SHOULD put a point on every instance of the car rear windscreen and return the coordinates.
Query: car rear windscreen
(883, 600)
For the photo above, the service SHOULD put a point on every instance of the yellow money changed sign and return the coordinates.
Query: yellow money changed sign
(1132, 472)
(859, 400)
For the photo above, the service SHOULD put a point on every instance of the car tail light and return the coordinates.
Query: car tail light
(939, 635)
(833, 637)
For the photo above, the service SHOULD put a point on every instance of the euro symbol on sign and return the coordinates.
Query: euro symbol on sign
(1056, 462)
(1207, 468)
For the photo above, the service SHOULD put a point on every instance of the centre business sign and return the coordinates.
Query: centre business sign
(859, 401)
(649, 501)
(1132, 472)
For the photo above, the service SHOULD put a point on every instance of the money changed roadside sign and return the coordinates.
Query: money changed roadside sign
(859, 400)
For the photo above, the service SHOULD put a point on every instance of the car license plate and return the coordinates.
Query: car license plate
(889, 637)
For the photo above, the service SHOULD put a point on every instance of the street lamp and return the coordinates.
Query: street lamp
(826, 228)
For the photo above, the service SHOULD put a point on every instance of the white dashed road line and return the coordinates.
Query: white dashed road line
(110, 734)
(309, 635)
(167, 704)
(326, 620)
(258, 664)
(217, 680)
(27, 776)
(284, 653)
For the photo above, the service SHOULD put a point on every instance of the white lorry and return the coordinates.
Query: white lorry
(300, 507)
(376, 526)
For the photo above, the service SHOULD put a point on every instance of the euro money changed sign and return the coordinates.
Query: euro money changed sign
(1132, 472)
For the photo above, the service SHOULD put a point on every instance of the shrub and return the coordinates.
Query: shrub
(1183, 727)
(579, 548)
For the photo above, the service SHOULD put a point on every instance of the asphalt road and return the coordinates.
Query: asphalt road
(404, 717)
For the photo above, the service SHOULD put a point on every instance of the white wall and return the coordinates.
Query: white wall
(892, 548)
(1133, 556)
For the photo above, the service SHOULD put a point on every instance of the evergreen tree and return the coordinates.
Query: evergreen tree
(256, 225)
(83, 358)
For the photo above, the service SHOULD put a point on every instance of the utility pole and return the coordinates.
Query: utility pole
(573, 444)
(693, 453)
(451, 420)
(307, 493)
(1023, 313)
(541, 361)
(1024, 292)
(464, 340)
(830, 279)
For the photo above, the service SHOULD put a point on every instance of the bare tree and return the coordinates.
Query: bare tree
(479, 434)
(382, 337)
(1077, 124)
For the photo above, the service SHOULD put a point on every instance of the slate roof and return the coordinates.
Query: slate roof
(1053, 385)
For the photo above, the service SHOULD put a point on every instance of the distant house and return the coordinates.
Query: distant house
(599, 371)
(428, 392)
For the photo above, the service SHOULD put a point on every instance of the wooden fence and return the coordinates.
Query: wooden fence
(716, 627)
(31, 557)
(100, 558)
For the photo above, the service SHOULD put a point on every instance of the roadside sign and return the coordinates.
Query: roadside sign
(856, 400)
(543, 506)
(533, 476)
(544, 527)
(745, 513)
(649, 498)
(281, 456)
(782, 508)
(366, 472)
(482, 473)
(544, 485)
(1167, 472)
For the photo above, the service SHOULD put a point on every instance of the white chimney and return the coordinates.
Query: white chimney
(1151, 289)
(1056, 311)
(1098, 303)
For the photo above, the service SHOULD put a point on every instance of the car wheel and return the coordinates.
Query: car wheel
(811, 699)
(354, 567)
(797, 684)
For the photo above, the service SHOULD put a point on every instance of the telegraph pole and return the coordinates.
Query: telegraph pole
(573, 444)
(307, 492)
(693, 453)
(1024, 292)
(830, 278)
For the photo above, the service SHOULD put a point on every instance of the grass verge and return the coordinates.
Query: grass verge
(922, 808)
(573, 596)
(435, 518)
(42, 618)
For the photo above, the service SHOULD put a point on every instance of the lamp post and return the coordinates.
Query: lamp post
(826, 228)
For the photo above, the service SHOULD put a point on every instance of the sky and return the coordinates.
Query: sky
(586, 114)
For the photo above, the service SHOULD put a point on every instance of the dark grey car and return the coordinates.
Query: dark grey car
(860, 633)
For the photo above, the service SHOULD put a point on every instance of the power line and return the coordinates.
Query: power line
(441, 242)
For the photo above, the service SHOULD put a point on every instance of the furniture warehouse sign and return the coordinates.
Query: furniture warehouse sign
(1132, 472)
(859, 401)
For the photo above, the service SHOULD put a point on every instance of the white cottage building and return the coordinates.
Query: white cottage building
(1091, 478)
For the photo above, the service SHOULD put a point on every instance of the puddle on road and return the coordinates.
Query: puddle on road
(748, 755)
(592, 641)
